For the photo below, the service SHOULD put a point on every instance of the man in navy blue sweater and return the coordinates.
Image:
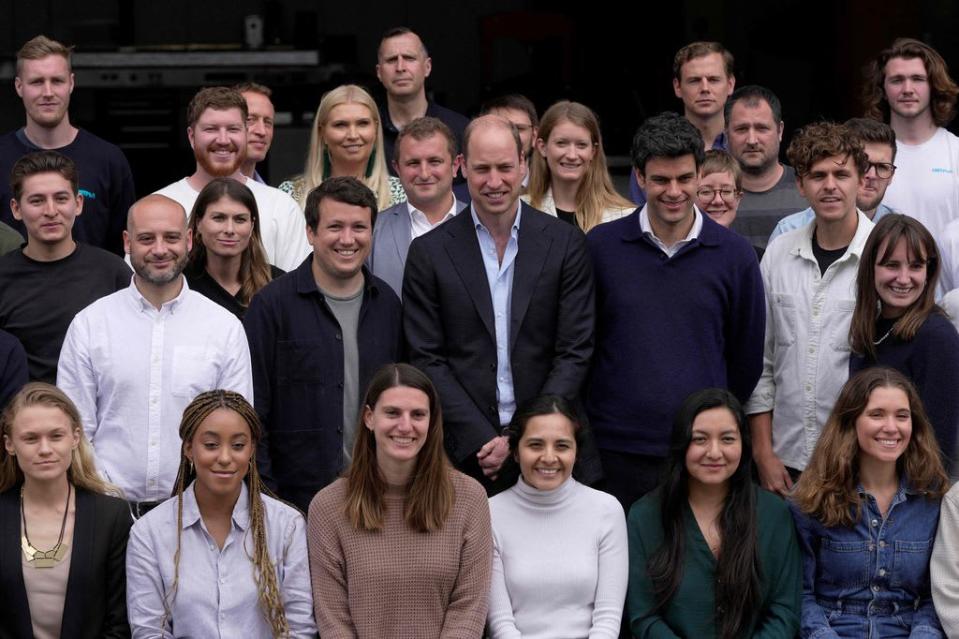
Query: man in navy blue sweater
(679, 308)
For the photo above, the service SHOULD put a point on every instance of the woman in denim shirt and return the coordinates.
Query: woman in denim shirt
(866, 510)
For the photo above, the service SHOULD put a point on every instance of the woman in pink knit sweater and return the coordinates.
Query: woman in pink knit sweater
(401, 546)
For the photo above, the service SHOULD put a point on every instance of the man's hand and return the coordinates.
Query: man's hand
(492, 455)
(772, 473)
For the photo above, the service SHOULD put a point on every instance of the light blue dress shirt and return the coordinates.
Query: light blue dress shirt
(216, 594)
(804, 217)
(500, 279)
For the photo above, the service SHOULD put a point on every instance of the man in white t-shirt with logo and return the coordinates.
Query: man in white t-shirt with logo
(910, 85)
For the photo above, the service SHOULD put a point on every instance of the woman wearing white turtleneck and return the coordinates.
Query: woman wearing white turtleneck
(560, 557)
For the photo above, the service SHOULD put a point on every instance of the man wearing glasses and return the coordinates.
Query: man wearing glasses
(879, 141)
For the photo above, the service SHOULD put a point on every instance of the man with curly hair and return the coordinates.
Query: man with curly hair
(810, 279)
(908, 85)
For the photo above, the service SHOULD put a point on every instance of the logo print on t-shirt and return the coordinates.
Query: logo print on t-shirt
(88, 195)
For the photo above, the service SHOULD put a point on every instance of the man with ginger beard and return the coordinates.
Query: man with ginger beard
(216, 127)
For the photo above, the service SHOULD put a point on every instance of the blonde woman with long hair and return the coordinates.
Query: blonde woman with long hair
(569, 177)
(222, 558)
(347, 140)
(63, 530)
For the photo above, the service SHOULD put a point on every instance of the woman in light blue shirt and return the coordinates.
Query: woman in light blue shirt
(220, 559)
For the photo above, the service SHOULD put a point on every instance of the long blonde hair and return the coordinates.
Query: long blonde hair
(596, 192)
(317, 166)
(82, 472)
(264, 570)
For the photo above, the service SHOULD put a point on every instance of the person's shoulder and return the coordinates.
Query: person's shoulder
(108, 506)
(385, 295)
(451, 118)
(646, 509)
(937, 327)
(329, 499)
(217, 317)
(601, 502)
(614, 229)
(102, 148)
(769, 505)
(175, 190)
(11, 148)
(280, 512)
(103, 309)
(467, 489)
(158, 522)
(101, 257)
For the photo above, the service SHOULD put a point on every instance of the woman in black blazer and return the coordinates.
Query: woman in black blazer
(62, 537)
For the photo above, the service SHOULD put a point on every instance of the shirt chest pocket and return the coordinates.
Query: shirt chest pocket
(838, 321)
(195, 370)
(910, 565)
(783, 308)
(844, 563)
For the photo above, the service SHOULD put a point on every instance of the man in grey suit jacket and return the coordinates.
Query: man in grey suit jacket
(426, 160)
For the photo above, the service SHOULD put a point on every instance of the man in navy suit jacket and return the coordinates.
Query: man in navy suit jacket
(426, 161)
(498, 304)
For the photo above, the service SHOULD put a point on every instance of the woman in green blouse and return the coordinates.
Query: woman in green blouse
(710, 553)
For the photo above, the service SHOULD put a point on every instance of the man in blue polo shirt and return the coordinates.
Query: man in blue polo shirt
(679, 308)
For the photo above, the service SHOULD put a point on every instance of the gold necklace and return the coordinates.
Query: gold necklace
(44, 558)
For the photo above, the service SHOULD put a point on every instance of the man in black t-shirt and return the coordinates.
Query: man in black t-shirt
(44, 284)
(44, 82)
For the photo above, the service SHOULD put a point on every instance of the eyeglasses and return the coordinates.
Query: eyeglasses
(884, 170)
(707, 194)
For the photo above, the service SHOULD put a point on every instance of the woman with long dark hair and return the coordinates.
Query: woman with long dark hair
(547, 515)
(897, 323)
(227, 262)
(63, 530)
(710, 553)
(222, 558)
(401, 545)
(866, 510)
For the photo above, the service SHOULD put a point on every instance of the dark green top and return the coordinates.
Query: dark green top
(690, 613)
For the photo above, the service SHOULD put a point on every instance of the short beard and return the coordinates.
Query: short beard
(219, 170)
(142, 271)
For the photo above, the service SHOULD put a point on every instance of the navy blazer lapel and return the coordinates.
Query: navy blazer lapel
(464, 252)
(402, 231)
(533, 248)
(16, 608)
(81, 566)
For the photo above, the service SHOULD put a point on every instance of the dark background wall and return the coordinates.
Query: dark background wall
(615, 58)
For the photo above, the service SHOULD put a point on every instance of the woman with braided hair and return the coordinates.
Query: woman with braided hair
(222, 558)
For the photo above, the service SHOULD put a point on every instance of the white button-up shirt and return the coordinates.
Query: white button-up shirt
(216, 594)
(806, 354)
(131, 370)
(420, 224)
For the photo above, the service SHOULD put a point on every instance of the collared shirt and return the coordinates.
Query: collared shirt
(131, 370)
(806, 353)
(879, 566)
(216, 592)
(420, 224)
(670, 251)
(499, 276)
(804, 217)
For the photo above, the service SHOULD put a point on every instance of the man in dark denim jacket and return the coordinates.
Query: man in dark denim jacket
(317, 335)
